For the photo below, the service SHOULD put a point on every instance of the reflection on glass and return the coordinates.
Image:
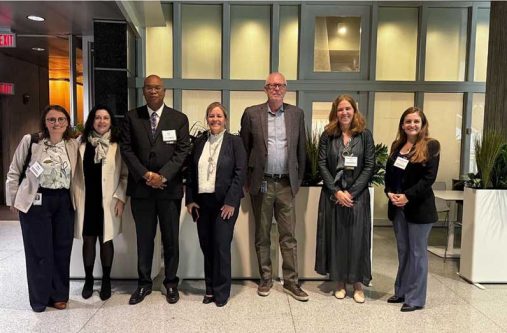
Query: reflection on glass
(320, 116)
(168, 98)
(250, 42)
(446, 41)
(481, 45)
(337, 42)
(159, 47)
(289, 34)
(239, 101)
(477, 126)
(194, 104)
(387, 111)
(397, 43)
(444, 113)
(201, 41)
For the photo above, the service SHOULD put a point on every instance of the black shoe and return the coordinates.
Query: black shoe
(139, 295)
(220, 304)
(105, 290)
(208, 299)
(172, 295)
(396, 299)
(87, 289)
(410, 308)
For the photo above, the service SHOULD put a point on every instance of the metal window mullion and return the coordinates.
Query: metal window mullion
(226, 41)
(471, 36)
(72, 79)
(275, 38)
(421, 43)
(177, 41)
(466, 137)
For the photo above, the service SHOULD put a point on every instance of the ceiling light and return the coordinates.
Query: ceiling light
(342, 29)
(38, 49)
(36, 18)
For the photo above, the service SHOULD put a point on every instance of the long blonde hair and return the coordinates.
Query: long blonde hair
(358, 123)
(420, 149)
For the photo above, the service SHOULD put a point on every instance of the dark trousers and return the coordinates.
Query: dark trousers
(278, 200)
(412, 243)
(48, 232)
(215, 237)
(147, 213)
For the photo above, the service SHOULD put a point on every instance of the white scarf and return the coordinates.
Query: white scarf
(101, 144)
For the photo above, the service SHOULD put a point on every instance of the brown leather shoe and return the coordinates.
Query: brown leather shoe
(60, 305)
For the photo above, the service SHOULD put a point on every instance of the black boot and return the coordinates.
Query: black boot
(105, 290)
(88, 285)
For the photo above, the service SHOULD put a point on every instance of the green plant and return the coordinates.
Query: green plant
(487, 151)
(312, 174)
(499, 172)
(379, 170)
(76, 130)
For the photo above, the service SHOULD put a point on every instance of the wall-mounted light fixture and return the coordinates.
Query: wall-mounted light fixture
(36, 18)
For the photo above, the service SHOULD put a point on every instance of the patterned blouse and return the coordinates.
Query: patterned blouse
(55, 162)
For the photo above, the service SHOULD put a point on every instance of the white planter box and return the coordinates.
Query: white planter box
(484, 236)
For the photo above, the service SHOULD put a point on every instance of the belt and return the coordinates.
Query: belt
(276, 176)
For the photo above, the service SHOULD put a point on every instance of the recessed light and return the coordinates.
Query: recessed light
(38, 49)
(36, 18)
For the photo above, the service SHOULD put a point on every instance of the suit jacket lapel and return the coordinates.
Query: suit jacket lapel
(288, 115)
(162, 119)
(223, 150)
(144, 115)
(82, 147)
(264, 123)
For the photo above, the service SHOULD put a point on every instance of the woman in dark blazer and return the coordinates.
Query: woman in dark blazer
(216, 174)
(411, 170)
(346, 160)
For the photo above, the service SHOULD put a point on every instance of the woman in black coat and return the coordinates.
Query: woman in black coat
(346, 160)
(410, 172)
(216, 175)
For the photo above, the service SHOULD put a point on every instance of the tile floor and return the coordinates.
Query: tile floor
(453, 305)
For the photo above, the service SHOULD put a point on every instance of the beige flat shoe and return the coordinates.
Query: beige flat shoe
(340, 294)
(359, 296)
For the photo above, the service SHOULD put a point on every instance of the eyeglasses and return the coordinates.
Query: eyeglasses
(273, 86)
(52, 121)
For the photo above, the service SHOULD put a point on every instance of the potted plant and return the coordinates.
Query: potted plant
(484, 233)
(312, 175)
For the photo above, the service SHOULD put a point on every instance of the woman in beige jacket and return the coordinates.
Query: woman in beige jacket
(39, 185)
(100, 196)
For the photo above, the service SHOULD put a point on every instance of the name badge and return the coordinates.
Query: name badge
(264, 187)
(401, 163)
(38, 199)
(350, 161)
(36, 169)
(169, 136)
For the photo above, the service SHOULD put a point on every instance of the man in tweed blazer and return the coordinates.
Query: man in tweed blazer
(274, 136)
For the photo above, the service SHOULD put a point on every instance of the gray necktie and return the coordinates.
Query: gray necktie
(153, 121)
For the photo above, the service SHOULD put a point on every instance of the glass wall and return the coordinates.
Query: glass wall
(194, 105)
(477, 126)
(289, 38)
(481, 44)
(397, 43)
(335, 33)
(446, 41)
(201, 41)
(444, 113)
(159, 47)
(250, 42)
(337, 43)
(388, 109)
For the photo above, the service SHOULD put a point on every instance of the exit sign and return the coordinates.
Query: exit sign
(6, 88)
(7, 39)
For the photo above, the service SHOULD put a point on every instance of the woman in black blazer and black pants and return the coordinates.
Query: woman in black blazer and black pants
(410, 172)
(216, 174)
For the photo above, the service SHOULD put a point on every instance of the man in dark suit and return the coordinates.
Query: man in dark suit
(274, 136)
(155, 143)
